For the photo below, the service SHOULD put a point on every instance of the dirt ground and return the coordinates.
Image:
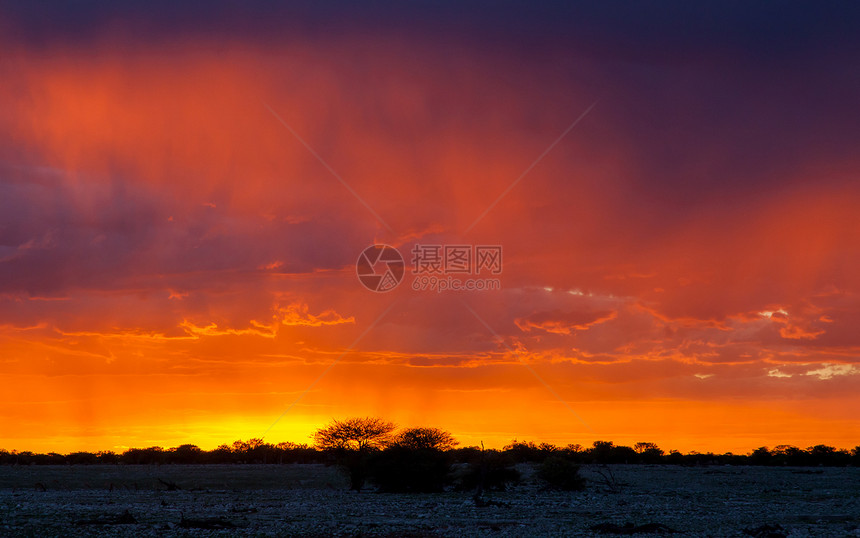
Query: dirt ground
(311, 500)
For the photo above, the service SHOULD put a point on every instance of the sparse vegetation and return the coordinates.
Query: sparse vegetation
(366, 436)
(561, 474)
(487, 470)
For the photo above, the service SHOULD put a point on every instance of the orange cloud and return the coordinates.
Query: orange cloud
(564, 322)
(297, 314)
(164, 239)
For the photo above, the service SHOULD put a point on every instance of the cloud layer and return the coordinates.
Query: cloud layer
(178, 265)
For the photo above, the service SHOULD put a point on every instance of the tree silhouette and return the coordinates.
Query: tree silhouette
(185, 454)
(425, 438)
(644, 447)
(357, 433)
(523, 451)
(648, 452)
(761, 456)
(351, 441)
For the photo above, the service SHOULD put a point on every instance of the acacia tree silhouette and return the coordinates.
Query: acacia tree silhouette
(351, 441)
(425, 438)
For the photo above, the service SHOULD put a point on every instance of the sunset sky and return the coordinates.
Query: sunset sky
(184, 193)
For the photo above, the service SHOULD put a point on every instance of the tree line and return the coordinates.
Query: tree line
(365, 436)
(250, 451)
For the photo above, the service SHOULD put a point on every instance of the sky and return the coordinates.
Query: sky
(185, 190)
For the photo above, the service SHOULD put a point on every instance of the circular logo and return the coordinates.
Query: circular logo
(380, 268)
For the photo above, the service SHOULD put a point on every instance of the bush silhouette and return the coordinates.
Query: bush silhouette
(82, 458)
(418, 460)
(489, 469)
(405, 469)
(561, 474)
(185, 454)
(151, 455)
(528, 451)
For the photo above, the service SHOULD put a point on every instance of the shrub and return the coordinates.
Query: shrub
(404, 469)
(528, 451)
(761, 456)
(561, 474)
(491, 470)
(82, 458)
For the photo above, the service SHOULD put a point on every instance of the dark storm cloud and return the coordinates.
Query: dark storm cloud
(55, 237)
(704, 90)
(632, 30)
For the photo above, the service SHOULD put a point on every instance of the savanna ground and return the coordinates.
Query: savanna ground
(312, 500)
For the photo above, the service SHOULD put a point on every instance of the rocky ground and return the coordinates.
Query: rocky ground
(311, 500)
